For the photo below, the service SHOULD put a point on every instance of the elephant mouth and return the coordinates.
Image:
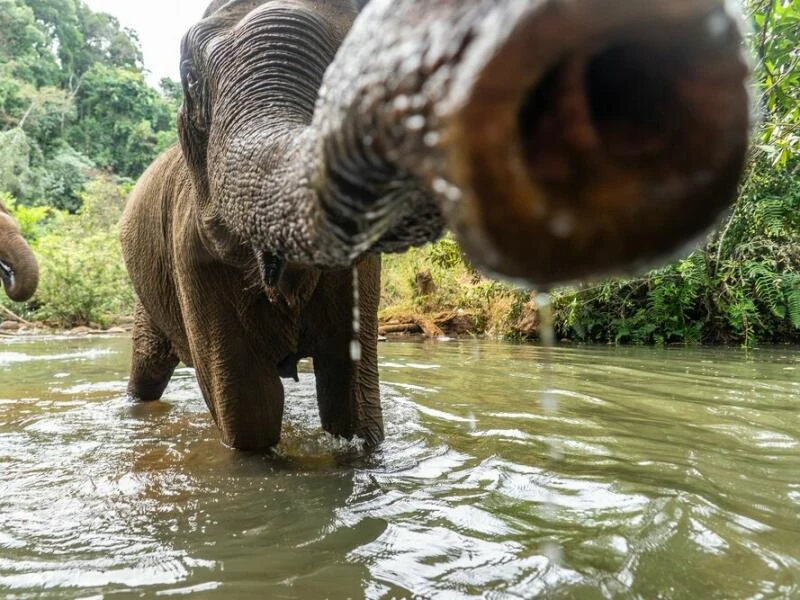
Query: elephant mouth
(7, 275)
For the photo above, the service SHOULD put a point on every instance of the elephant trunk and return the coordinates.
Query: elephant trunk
(19, 270)
(558, 139)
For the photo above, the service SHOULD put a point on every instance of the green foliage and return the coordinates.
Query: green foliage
(119, 117)
(73, 99)
(83, 278)
(102, 203)
(104, 42)
(446, 254)
(494, 307)
(16, 175)
(63, 178)
(31, 219)
(776, 40)
(26, 45)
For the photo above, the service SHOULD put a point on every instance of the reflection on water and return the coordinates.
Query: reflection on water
(677, 476)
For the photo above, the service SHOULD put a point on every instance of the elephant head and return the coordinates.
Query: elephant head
(556, 139)
(19, 270)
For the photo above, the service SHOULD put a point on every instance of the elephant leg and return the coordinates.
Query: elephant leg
(347, 389)
(153, 360)
(240, 384)
(245, 397)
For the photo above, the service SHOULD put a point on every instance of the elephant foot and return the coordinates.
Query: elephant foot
(153, 360)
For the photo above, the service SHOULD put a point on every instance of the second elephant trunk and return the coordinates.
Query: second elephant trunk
(19, 270)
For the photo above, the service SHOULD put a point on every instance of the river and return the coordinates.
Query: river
(508, 471)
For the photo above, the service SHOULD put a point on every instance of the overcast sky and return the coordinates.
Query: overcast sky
(160, 25)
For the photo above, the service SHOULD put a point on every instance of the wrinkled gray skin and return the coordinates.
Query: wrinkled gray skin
(19, 270)
(297, 162)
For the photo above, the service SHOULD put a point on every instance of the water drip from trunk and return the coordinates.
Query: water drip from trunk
(355, 342)
(549, 401)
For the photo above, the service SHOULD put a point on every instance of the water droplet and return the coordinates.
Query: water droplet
(555, 452)
(431, 139)
(562, 225)
(549, 402)
(355, 343)
(440, 186)
(553, 552)
(402, 102)
(445, 188)
(547, 333)
(415, 122)
(717, 24)
(355, 350)
(453, 194)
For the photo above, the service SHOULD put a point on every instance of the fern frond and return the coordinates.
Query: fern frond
(791, 292)
(767, 285)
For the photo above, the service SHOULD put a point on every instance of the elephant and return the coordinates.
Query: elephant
(19, 270)
(557, 140)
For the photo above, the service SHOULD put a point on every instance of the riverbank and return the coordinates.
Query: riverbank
(720, 294)
(11, 328)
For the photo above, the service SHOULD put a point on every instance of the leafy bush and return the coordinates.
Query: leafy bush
(30, 219)
(493, 306)
(83, 279)
(82, 274)
(63, 178)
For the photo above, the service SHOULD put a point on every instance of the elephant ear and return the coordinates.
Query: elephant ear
(193, 122)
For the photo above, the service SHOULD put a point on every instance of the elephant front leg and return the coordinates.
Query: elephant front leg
(347, 386)
(228, 334)
(245, 397)
(153, 360)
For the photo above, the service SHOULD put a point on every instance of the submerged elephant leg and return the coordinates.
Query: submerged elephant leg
(347, 389)
(153, 360)
(238, 378)
(245, 398)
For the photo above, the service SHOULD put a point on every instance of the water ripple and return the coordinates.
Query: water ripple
(675, 477)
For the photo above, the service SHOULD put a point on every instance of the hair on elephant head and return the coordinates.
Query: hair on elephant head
(19, 270)
(556, 140)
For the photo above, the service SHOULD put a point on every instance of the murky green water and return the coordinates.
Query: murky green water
(508, 472)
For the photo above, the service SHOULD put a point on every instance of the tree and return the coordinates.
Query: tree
(105, 42)
(63, 178)
(25, 46)
(119, 118)
(16, 176)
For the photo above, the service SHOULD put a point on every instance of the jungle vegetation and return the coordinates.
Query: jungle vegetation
(79, 123)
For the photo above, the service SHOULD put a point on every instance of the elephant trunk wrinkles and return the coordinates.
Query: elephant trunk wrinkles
(19, 270)
(558, 139)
